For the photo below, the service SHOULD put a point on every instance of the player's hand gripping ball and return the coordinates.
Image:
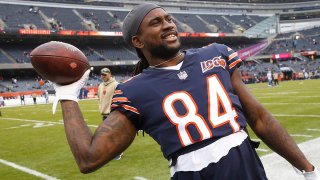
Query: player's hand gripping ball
(59, 62)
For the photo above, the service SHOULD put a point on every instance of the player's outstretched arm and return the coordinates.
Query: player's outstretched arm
(92, 151)
(268, 128)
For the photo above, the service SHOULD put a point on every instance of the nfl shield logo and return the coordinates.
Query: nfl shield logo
(182, 75)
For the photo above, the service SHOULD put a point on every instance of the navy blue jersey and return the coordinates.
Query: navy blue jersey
(179, 108)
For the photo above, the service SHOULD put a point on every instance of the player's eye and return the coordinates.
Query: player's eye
(155, 22)
(170, 19)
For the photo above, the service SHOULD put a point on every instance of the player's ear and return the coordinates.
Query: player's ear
(136, 42)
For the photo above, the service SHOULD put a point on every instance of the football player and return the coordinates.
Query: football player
(193, 103)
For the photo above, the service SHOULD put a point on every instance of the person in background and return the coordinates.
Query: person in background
(46, 95)
(306, 75)
(276, 78)
(23, 102)
(105, 93)
(34, 97)
(192, 102)
(270, 78)
(1, 104)
(81, 93)
(85, 93)
(41, 83)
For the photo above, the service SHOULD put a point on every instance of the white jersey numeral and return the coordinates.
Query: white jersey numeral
(217, 99)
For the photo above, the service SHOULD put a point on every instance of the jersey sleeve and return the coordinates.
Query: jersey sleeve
(233, 61)
(121, 103)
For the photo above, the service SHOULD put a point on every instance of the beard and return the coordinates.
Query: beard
(164, 52)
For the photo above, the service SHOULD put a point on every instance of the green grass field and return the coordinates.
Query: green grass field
(31, 137)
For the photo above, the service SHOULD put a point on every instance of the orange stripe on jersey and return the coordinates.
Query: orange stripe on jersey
(234, 63)
(130, 108)
(120, 99)
(232, 56)
(130, 78)
(229, 49)
(118, 92)
(114, 105)
(126, 80)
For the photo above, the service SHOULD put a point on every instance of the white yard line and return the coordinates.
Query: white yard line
(277, 96)
(284, 103)
(297, 115)
(300, 135)
(37, 121)
(278, 168)
(139, 178)
(27, 170)
(314, 130)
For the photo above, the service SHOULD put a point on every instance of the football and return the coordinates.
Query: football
(59, 62)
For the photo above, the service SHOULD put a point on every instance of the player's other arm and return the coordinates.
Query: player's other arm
(267, 127)
(91, 151)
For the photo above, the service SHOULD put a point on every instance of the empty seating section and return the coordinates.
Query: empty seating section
(219, 22)
(119, 54)
(119, 14)
(314, 31)
(22, 85)
(241, 20)
(102, 20)
(113, 52)
(20, 54)
(116, 20)
(193, 21)
(18, 16)
(257, 19)
(285, 43)
(3, 58)
(68, 19)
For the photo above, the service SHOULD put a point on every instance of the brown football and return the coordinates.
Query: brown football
(59, 62)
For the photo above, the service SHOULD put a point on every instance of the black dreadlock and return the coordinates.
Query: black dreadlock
(142, 64)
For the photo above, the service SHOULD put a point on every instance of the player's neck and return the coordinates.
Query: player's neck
(169, 62)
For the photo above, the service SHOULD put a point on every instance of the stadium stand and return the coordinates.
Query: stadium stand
(3, 58)
(117, 3)
(57, 18)
(221, 24)
(193, 21)
(17, 16)
(305, 40)
(66, 18)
